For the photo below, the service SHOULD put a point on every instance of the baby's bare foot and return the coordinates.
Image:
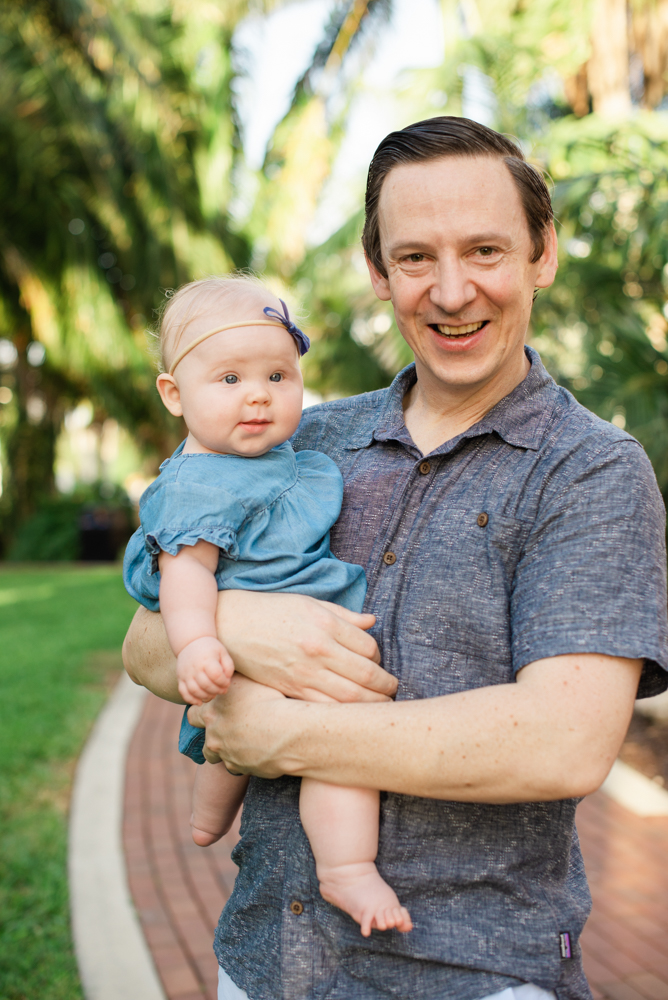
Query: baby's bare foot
(360, 891)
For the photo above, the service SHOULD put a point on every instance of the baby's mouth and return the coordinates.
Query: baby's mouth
(257, 424)
(455, 332)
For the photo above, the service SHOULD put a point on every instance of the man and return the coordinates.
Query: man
(514, 550)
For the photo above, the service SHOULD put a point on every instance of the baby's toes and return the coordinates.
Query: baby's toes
(383, 920)
(394, 917)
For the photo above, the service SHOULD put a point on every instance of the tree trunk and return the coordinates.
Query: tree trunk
(608, 67)
(577, 92)
(31, 444)
(650, 41)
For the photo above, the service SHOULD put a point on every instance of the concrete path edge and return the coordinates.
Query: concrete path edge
(113, 958)
(635, 792)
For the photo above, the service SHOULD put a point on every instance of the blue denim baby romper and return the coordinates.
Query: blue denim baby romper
(270, 517)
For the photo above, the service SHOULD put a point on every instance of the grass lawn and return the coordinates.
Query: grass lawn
(61, 630)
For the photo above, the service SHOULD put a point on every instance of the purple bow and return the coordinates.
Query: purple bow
(303, 343)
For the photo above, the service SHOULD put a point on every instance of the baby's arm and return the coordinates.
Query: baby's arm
(188, 599)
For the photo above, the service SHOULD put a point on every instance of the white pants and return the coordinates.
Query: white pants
(227, 990)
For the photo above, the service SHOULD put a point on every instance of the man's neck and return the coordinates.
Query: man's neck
(435, 412)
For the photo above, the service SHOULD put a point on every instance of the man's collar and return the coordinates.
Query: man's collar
(520, 418)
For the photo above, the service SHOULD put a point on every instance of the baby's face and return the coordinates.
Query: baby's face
(241, 390)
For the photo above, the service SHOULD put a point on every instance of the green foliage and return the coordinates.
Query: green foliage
(51, 688)
(601, 327)
(305, 142)
(117, 142)
(120, 147)
(525, 51)
(356, 345)
(53, 532)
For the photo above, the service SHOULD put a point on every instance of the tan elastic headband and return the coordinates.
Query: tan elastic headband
(219, 329)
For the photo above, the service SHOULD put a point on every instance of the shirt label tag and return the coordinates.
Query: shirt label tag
(565, 945)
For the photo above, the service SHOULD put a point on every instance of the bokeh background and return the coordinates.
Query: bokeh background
(146, 142)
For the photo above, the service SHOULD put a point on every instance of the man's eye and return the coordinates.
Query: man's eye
(231, 379)
(416, 258)
(276, 377)
(486, 251)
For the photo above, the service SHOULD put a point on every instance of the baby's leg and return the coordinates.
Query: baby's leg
(342, 827)
(217, 796)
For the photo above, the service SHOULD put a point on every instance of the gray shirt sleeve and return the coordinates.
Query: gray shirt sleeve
(592, 575)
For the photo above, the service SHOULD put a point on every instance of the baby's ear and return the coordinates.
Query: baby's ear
(170, 393)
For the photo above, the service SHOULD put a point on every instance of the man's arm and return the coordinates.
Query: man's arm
(148, 657)
(302, 647)
(554, 734)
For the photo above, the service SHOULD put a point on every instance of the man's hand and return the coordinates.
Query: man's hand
(307, 649)
(204, 669)
(245, 709)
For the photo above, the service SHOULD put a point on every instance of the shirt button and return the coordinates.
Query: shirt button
(424, 467)
(297, 907)
(483, 519)
(389, 558)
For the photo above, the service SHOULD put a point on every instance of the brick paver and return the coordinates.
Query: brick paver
(180, 889)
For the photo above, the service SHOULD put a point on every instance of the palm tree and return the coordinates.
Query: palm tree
(602, 327)
(118, 139)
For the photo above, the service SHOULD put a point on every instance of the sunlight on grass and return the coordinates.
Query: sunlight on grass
(61, 635)
(15, 595)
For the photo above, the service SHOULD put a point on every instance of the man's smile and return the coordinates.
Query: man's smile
(458, 331)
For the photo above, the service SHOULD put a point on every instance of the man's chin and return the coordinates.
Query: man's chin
(462, 375)
(458, 369)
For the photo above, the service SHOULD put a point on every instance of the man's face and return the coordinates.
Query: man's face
(456, 246)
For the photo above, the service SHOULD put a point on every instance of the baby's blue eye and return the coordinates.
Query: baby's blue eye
(276, 377)
(231, 379)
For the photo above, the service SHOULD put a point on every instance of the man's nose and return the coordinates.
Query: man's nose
(452, 288)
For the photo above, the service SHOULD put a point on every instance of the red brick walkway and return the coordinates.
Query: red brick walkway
(179, 889)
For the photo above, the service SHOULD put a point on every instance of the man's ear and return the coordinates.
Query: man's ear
(548, 262)
(381, 285)
(170, 393)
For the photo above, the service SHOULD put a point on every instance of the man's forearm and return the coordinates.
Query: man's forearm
(436, 748)
(554, 734)
(148, 657)
(302, 647)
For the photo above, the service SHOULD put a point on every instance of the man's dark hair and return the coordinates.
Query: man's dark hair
(448, 136)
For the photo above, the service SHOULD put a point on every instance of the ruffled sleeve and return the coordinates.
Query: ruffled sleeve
(180, 513)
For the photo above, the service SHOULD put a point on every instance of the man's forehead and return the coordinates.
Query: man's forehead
(477, 194)
(475, 176)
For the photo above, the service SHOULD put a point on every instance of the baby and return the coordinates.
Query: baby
(236, 508)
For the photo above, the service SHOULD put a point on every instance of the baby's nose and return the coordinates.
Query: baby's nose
(258, 393)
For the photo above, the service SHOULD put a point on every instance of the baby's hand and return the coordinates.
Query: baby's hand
(204, 669)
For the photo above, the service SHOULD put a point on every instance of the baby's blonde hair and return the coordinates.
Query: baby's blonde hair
(197, 297)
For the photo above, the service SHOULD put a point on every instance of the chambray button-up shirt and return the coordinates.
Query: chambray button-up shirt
(539, 531)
